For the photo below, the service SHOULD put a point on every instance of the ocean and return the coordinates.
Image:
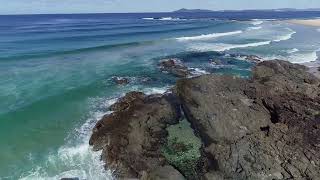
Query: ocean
(56, 73)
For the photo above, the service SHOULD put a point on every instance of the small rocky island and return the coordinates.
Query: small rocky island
(264, 127)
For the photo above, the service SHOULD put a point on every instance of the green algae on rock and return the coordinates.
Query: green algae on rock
(183, 149)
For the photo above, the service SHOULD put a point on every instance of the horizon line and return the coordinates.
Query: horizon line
(174, 11)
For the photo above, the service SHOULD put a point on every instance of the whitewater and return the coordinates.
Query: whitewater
(56, 76)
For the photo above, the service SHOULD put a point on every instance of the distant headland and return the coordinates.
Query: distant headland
(184, 10)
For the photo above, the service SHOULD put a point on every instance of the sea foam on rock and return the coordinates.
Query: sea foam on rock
(265, 127)
(131, 138)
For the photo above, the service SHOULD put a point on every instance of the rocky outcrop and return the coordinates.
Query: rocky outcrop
(132, 136)
(250, 58)
(175, 67)
(266, 127)
(120, 80)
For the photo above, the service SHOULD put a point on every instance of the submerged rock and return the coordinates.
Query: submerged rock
(251, 58)
(216, 62)
(120, 80)
(266, 127)
(175, 67)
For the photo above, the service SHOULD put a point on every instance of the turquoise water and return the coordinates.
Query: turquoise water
(56, 71)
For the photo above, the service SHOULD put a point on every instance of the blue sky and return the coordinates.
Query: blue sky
(87, 6)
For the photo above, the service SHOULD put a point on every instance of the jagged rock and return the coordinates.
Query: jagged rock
(175, 67)
(266, 127)
(251, 58)
(120, 80)
(131, 137)
(218, 106)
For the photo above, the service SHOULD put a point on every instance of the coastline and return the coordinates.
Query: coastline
(313, 66)
(306, 22)
(258, 117)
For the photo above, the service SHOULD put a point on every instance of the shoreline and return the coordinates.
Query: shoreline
(313, 68)
(306, 22)
(259, 114)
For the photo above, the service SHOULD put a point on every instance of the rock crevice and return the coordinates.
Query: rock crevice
(265, 127)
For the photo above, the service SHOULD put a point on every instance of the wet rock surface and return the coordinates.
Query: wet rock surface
(265, 127)
(120, 80)
(132, 136)
(174, 66)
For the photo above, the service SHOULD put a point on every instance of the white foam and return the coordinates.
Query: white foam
(303, 57)
(254, 28)
(148, 18)
(298, 58)
(153, 90)
(208, 36)
(225, 47)
(290, 51)
(256, 22)
(286, 36)
(171, 19)
(76, 161)
(197, 72)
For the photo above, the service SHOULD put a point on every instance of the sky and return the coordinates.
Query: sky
(113, 6)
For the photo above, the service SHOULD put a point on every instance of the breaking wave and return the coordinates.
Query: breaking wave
(254, 28)
(256, 22)
(164, 19)
(225, 47)
(299, 58)
(79, 160)
(290, 51)
(285, 37)
(208, 36)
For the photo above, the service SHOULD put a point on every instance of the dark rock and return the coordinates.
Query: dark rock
(131, 138)
(266, 127)
(175, 67)
(120, 80)
(216, 62)
(253, 58)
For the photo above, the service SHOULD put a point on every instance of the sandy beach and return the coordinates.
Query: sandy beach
(313, 66)
(309, 22)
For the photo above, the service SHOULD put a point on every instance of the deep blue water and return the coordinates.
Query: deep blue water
(56, 71)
